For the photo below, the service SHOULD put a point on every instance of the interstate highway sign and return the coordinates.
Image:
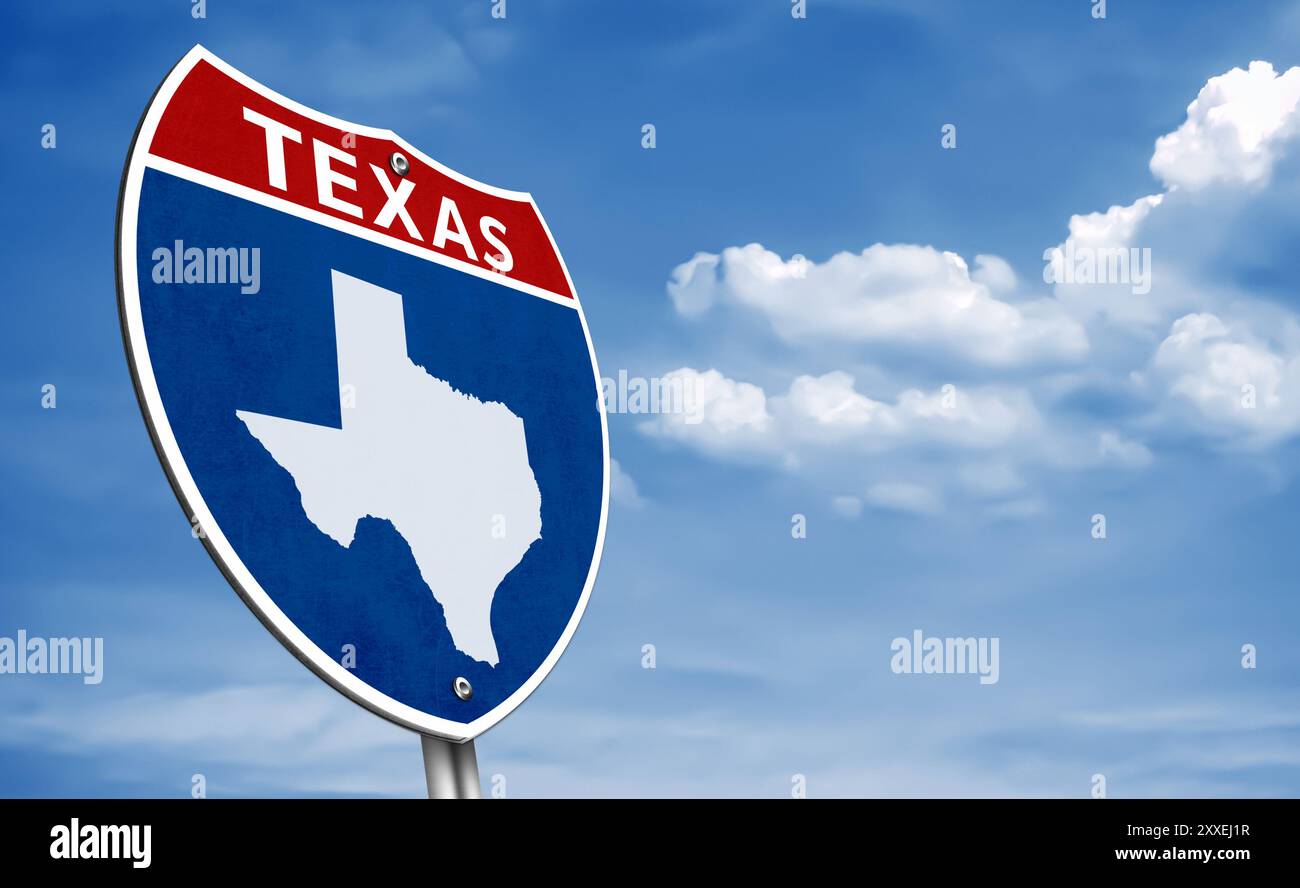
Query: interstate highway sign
(371, 385)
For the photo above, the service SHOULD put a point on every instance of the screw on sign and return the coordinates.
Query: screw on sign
(394, 439)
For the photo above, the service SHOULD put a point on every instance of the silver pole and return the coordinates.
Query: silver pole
(450, 769)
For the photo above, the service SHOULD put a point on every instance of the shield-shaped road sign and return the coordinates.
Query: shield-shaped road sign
(371, 385)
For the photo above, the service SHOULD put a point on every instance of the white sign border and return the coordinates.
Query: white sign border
(169, 454)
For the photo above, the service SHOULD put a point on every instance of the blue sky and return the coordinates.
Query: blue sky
(819, 138)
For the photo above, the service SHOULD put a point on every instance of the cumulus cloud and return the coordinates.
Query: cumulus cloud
(995, 273)
(726, 416)
(1233, 382)
(622, 488)
(1215, 167)
(1114, 449)
(1151, 329)
(899, 294)
(828, 411)
(828, 408)
(1105, 267)
(693, 285)
(1215, 242)
(972, 440)
(1115, 227)
(1235, 129)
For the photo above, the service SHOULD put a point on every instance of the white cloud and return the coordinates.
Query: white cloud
(902, 294)
(727, 416)
(1115, 227)
(1220, 373)
(1108, 240)
(995, 273)
(694, 285)
(622, 488)
(1170, 336)
(1215, 167)
(975, 441)
(1234, 132)
(828, 408)
(829, 412)
(1114, 448)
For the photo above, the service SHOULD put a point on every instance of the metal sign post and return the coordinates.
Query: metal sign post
(450, 769)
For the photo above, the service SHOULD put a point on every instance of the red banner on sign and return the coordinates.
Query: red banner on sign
(216, 125)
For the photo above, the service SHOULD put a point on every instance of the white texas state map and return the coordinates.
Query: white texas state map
(445, 468)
